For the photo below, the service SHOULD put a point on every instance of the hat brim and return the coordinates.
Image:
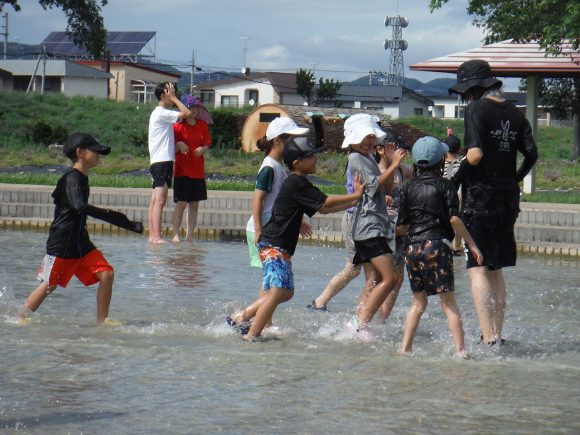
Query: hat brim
(463, 87)
(314, 151)
(101, 149)
(357, 136)
(298, 131)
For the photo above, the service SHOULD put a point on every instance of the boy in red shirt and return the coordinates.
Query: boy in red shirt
(193, 137)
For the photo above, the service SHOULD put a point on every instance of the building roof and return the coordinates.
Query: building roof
(370, 93)
(281, 82)
(118, 43)
(510, 59)
(4, 73)
(98, 63)
(54, 68)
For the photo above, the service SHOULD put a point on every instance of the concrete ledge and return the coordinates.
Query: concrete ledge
(552, 229)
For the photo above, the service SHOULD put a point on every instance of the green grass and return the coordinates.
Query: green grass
(123, 125)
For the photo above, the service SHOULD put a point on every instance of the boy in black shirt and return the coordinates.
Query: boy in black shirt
(69, 251)
(279, 236)
(429, 217)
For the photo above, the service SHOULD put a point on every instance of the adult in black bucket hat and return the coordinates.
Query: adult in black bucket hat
(474, 73)
(495, 131)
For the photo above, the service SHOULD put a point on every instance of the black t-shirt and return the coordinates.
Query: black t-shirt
(501, 130)
(427, 203)
(297, 196)
(68, 236)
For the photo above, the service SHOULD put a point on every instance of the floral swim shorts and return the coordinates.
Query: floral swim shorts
(430, 266)
(276, 269)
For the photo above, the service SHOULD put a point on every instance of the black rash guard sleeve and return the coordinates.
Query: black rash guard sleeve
(114, 218)
(529, 151)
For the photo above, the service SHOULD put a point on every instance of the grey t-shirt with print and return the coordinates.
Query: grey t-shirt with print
(370, 216)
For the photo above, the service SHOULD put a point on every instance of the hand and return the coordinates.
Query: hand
(137, 227)
(170, 90)
(476, 254)
(399, 155)
(389, 200)
(358, 186)
(257, 236)
(200, 151)
(305, 229)
(182, 147)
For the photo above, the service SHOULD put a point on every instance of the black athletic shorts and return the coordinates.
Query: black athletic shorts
(161, 174)
(493, 231)
(370, 248)
(188, 189)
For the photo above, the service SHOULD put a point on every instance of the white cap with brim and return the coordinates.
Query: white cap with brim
(284, 125)
(359, 126)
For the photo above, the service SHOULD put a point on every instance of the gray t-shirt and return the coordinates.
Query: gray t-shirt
(370, 215)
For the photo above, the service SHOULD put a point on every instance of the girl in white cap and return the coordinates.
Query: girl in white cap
(270, 178)
(371, 228)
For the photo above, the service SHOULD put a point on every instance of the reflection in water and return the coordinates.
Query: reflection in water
(175, 367)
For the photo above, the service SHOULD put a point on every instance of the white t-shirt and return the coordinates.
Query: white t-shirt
(279, 177)
(161, 140)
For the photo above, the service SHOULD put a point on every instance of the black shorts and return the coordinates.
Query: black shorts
(161, 174)
(370, 248)
(493, 231)
(188, 189)
(430, 267)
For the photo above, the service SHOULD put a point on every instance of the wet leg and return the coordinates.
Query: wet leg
(454, 321)
(337, 283)
(37, 296)
(104, 294)
(192, 209)
(274, 297)
(418, 307)
(177, 218)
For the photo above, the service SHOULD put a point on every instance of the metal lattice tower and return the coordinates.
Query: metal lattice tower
(396, 45)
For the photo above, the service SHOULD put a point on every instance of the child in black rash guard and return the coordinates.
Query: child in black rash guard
(69, 251)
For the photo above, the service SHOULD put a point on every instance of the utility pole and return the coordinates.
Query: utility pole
(5, 33)
(43, 69)
(192, 71)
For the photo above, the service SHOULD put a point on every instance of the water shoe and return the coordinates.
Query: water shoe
(312, 306)
(241, 328)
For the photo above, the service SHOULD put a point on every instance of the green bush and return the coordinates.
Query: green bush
(46, 133)
(225, 131)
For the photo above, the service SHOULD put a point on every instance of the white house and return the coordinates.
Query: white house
(451, 107)
(252, 89)
(59, 76)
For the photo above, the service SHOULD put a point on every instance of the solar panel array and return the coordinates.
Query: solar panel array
(118, 43)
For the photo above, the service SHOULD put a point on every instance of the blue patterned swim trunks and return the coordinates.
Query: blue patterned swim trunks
(276, 269)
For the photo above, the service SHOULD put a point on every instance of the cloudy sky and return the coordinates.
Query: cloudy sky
(337, 39)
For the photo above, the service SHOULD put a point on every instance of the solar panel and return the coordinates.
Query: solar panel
(118, 43)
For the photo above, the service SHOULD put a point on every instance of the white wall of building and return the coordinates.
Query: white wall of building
(444, 107)
(241, 90)
(72, 86)
(292, 99)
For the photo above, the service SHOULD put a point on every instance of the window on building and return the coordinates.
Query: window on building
(229, 100)
(207, 98)
(253, 94)
(418, 111)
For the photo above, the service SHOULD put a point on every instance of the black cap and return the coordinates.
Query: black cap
(393, 136)
(472, 73)
(86, 141)
(298, 148)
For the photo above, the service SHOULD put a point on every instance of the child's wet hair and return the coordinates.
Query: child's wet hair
(160, 89)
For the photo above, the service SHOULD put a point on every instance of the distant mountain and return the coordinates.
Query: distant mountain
(432, 88)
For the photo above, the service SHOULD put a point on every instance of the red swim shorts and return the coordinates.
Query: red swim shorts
(59, 271)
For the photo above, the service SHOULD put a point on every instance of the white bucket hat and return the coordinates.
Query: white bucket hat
(282, 125)
(359, 126)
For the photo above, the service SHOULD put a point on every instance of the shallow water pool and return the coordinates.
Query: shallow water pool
(174, 367)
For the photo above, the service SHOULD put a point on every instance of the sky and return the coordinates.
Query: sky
(337, 39)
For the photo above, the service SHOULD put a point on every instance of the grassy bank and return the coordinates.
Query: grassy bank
(28, 123)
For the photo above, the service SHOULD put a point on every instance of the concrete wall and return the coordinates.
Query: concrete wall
(73, 86)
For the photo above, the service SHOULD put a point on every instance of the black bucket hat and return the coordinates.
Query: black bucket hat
(473, 73)
(299, 148)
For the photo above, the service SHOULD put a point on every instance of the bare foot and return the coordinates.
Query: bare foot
(175, 239)
(158, 241)
(462, 354)
(405, 352)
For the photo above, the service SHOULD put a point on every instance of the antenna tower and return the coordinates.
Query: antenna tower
(396, 45)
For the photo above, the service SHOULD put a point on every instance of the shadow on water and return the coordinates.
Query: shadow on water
(56, 419)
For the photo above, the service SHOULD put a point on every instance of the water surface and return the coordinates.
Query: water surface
(174, 367)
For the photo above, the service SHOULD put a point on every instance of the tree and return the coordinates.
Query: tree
(84, 21)
(549, 22)
(305, 83)
(327, 90)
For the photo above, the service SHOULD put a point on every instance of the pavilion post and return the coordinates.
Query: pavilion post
(532, 115)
